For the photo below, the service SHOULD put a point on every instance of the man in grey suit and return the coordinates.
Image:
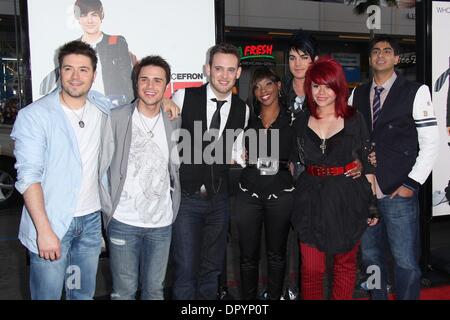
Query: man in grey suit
(144, 186)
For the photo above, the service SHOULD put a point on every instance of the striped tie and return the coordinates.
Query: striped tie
(376, 105)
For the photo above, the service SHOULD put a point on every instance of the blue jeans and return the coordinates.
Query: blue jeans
(199, 245)
(76, 269)
(399, 228)
(135, 251)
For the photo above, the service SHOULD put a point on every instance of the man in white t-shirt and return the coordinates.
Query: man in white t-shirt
(144, 185)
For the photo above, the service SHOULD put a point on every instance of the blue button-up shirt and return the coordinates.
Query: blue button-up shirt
(46, 152)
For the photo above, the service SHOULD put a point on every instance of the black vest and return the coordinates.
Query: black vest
(192, 173)
(395, 134)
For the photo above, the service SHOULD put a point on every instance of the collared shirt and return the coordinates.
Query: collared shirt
(211, 107)
(387, 85)
(47, 152)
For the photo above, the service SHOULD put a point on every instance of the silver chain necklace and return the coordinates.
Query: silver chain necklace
(147, 130)
(80, 120)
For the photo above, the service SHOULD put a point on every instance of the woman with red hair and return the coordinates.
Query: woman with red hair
(332, 208)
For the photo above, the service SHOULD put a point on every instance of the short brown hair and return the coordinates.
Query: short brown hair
(157, 61)
(225, 48)
(77, 47)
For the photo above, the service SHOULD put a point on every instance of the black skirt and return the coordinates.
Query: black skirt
(331, 212)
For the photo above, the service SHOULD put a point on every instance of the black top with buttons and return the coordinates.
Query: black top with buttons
(266, 185)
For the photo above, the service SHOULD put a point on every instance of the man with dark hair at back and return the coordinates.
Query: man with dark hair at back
(404, 131)
(144, 186)
(200, 231)
(303, 51)
(63, 148)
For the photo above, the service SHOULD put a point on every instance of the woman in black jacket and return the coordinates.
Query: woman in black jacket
(265, 196)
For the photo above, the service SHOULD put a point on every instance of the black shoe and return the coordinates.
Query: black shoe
(264, 295)
(290, 294)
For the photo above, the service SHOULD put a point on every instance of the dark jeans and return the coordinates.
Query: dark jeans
(251, 214)
(199, 244)
(398, 228)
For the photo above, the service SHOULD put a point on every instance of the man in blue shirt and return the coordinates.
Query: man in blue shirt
(63, 146)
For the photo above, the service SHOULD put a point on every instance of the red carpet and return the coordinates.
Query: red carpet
(437, 293)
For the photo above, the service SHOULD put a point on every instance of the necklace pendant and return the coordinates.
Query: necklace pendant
(81, 123)
(151, 134)
(323, 146)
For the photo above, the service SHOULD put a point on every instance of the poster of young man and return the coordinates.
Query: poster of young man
(441, 101)
(122, 32)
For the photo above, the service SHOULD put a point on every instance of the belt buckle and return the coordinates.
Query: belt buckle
(267, 166)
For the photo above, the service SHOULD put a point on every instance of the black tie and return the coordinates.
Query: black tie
(215, 121)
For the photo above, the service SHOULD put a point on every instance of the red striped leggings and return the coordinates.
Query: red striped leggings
(313, 269)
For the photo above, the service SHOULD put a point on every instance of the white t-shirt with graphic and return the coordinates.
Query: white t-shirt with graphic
(145, 200)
